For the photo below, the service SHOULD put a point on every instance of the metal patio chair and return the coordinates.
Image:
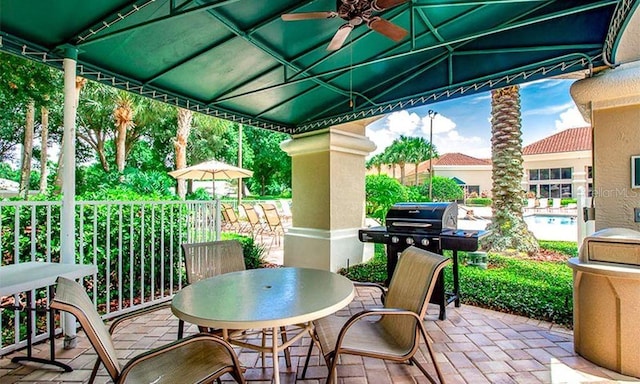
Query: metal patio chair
(208, 259)
(197, 359)
(392, 332)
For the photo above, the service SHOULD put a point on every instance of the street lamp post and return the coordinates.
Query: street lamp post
(432, 115)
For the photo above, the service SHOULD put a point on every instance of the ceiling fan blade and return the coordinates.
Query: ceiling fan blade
(308, 16)
(340, 37)
(386, 4)
(387, 28)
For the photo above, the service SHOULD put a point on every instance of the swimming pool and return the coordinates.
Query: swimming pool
(553, 227)
(544, 227)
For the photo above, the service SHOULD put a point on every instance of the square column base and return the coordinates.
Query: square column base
(322, 249)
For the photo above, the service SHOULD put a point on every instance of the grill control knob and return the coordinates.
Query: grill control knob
(395, 239)
(424, 242)
(409, 240)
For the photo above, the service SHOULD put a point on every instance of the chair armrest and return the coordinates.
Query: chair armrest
(137, 312)
(373, 312)
(177, 344)
(381, 288)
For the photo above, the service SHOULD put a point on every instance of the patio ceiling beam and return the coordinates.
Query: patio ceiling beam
(212, 46)
(290, 80)
(402, 78)
(263, 47)
(407, 78)
(188, 59)
(462, 39)
(381, 55)
(86, 37)
(222, 97)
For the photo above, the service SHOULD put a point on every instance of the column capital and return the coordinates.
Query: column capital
(612, 88)
(329, 139)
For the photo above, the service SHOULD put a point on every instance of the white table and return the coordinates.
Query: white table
(26, 277)
(267, 298)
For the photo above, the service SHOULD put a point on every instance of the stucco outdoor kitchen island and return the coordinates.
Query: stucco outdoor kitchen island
(606, 312)
(267, 298)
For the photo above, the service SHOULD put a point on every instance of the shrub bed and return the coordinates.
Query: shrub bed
(540, 290)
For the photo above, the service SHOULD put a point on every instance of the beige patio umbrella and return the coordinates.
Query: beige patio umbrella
(211, 170)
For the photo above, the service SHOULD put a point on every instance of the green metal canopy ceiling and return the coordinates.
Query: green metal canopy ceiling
(238, 60)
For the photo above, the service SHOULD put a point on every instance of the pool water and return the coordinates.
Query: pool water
(550, 227)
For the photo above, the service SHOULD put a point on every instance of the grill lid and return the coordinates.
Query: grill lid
(422, 217)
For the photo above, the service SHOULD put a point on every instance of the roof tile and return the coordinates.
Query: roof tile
(569, 140)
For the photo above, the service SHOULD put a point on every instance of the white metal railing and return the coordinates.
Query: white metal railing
(134, 244)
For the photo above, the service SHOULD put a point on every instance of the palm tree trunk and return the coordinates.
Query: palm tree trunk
(508, 229)
(185, 118)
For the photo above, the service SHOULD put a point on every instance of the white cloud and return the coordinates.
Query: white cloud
(403, 123)
(446, 135)
(441, 124)
(570, 118)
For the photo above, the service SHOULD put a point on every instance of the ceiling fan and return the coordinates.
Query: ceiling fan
(356, 12)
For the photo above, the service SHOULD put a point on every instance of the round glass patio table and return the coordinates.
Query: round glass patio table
(266, 298)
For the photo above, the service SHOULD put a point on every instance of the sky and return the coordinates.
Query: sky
(462, 124)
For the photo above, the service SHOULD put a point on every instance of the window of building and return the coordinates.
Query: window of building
(551, 182)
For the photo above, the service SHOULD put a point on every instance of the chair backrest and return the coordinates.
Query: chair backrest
(252, 215)
(224, 212)
(410, 289)
(271, 215)
(203, 260)
(71, 297)
(230, 212)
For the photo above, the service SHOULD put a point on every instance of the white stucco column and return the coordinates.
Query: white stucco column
(328, 180)
(611, 101)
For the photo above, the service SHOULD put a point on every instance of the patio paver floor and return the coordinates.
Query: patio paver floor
(473, 345)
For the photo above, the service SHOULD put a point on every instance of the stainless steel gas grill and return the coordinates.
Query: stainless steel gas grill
(430, 226)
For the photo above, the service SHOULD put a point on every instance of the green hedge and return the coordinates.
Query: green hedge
(537, 289)
(478, 201)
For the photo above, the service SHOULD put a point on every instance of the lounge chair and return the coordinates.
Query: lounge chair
(274, 223)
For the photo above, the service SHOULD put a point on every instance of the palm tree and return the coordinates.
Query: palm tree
(508, 229)
(419, 150)
(399, 151)
(376, 161)
(123, 117)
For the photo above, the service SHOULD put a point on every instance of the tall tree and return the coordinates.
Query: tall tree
(376, 162)
(271, 165)
(399, 151)
(95, 109)
(123, 114)
(508, 229)
(185, 118)
(420, 150)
